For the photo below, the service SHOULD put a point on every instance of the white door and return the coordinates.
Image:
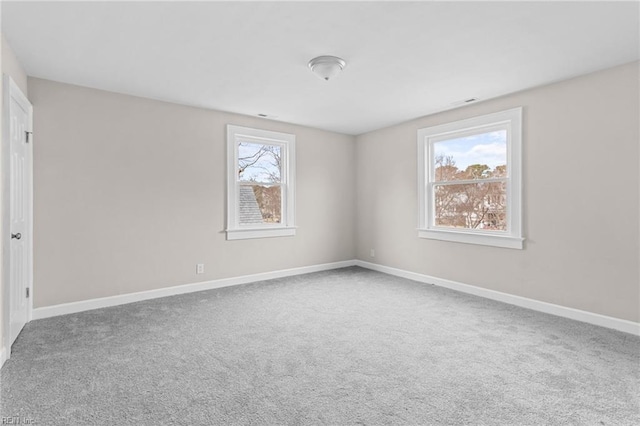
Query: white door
(19, 206)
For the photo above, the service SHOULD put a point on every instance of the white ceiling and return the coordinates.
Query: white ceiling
(404, 59)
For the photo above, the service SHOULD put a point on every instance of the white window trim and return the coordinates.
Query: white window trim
(288, 141)
(512, 238)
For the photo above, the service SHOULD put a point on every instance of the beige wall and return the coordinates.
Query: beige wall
(130, 195)
(580, 151)
(10, 66)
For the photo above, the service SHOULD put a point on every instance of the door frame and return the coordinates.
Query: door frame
(11, 90)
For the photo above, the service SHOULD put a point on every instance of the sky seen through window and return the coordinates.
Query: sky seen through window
(485, 148)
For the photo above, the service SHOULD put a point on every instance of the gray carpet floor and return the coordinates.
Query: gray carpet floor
(342, 347)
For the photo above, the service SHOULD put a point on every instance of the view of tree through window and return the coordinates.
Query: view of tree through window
(470, 178)
(260, 179)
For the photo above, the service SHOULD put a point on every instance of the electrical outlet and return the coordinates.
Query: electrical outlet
(372, 253)
(200, 268)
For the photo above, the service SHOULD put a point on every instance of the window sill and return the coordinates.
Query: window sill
(503, 241)
(247, 233)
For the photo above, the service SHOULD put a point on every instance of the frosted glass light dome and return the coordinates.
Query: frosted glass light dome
(327, 67)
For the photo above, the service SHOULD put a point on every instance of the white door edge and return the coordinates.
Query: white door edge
(12, 91)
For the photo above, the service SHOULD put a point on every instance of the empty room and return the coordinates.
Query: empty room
(320, 213)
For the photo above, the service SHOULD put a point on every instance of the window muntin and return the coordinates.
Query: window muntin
(470, 182)
(260, 183)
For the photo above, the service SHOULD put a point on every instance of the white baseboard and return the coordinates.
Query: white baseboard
(104, 302)
(536, 305)
(3, 356)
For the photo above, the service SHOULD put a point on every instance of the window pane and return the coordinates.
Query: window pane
(260, 204)
(479, 156)
(471, 206)
(259, 162)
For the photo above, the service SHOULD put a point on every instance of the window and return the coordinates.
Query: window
(260, 183)
(470, 180)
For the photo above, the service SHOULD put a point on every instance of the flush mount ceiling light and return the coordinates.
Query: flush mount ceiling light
(327, 67)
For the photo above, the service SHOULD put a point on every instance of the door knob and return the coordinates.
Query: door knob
(16, 236)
